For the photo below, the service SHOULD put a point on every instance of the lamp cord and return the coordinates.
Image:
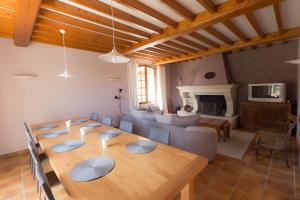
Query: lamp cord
(112, 23)
(64, 47)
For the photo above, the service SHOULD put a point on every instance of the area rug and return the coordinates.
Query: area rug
(237, 145)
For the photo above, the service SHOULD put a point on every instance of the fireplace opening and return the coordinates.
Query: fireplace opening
(211, 105)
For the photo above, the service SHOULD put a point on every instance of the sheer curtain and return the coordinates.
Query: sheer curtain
(162, 88)
(132, 84)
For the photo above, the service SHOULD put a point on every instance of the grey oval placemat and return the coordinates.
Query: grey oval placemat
(68, 145)
(79, 121)
(95, 125)
(141, 146)
(47, 127)
(54, 134)
(91, 169)
(109, 134)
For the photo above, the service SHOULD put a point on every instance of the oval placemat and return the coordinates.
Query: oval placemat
(68, 145)
(54, 134)
(91, 169)
(47, 127)
(109, 134)
(79, 121)
(141, 146)
(95, 125)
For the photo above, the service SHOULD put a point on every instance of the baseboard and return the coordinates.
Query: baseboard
(14, 153)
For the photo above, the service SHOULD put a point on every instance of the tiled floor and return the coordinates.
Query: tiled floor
(224, 178)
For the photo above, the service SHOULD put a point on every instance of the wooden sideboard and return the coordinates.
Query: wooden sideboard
(264, 115)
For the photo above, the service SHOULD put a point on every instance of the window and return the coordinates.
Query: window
(146, 84)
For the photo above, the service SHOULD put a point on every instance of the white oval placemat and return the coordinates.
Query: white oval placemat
(54, 134)
(68, 145)
(141, 146)
(109, 134)
(47, 127)
(91, 169)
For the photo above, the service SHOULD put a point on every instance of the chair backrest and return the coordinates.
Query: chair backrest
(28, 133)
(292, 124)
(159, 135)
(40, 176)
(94, 116)
(106, 120)
(126, 126)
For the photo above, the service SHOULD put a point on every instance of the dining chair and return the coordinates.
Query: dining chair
(106, 120)
(126, 126)
(277, 140)
(159, 135)
(42, 181)
(30, 139)
(94, 116)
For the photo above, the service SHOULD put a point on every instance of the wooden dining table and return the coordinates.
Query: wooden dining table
(160, 174)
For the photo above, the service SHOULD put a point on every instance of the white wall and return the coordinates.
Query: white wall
(49, 97)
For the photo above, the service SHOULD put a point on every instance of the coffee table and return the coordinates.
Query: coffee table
(218, 124)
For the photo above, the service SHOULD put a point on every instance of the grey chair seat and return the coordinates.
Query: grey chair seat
(126, 126)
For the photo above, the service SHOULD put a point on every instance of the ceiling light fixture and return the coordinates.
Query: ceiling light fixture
(113, 56)
(65, 74)
(297, 61)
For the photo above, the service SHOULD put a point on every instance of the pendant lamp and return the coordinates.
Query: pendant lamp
(65, 74)
(113, 56)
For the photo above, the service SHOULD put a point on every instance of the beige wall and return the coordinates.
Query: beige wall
(49, 97)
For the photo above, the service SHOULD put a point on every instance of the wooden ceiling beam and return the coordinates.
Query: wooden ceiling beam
(61, 7)
(204, 19)
(255, 41)
(180, 9)
(180, 46)
(26, 13)
(218, 35)
(167, 53)
(204, 39)
(208, 5)
(58, 26)
(171, 49)
(253, 21)
(63, 19)
(149, 11)
(277, 11)
(104, 8)
(147, 55)
(191, 43)
(146, 51)
(234, 29)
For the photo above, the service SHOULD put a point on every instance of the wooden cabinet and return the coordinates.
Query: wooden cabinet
(264, 115)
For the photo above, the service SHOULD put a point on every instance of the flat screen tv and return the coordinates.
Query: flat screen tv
(267, 92)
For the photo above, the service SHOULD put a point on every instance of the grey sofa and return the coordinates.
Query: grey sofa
(194, 139)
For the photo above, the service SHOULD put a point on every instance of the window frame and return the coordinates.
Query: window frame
(146, 83)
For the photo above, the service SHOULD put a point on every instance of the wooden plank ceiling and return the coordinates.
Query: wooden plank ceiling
(162, 31)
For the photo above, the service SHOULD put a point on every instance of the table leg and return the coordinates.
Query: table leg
(188, 192)
(219, 134)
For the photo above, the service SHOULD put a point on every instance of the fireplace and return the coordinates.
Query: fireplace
(214, 101)
(211, 104)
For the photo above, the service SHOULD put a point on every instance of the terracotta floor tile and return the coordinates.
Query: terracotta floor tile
(210, 170)
(257, 169)
(13, 182)
(281, 186)
(227, 178)
(241, 195)
(219, 188)
(282, 176)
(233, 169)
(271, 194)
(208, 195)
(11, 192)
(251, 188)
(254, 177)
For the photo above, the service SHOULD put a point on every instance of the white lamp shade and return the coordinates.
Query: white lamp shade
(294, 61)
(66, 75)
(114, 57)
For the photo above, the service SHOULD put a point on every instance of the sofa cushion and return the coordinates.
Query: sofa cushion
(154, 108)
(185, 121)
(164, 119)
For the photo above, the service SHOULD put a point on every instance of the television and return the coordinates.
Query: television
(267, 92)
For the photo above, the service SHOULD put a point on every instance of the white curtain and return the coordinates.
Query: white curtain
(132, 84)
(162, 88)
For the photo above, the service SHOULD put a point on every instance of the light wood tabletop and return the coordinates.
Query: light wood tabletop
(160, 174)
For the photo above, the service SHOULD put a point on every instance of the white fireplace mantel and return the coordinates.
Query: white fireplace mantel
(189, 93)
